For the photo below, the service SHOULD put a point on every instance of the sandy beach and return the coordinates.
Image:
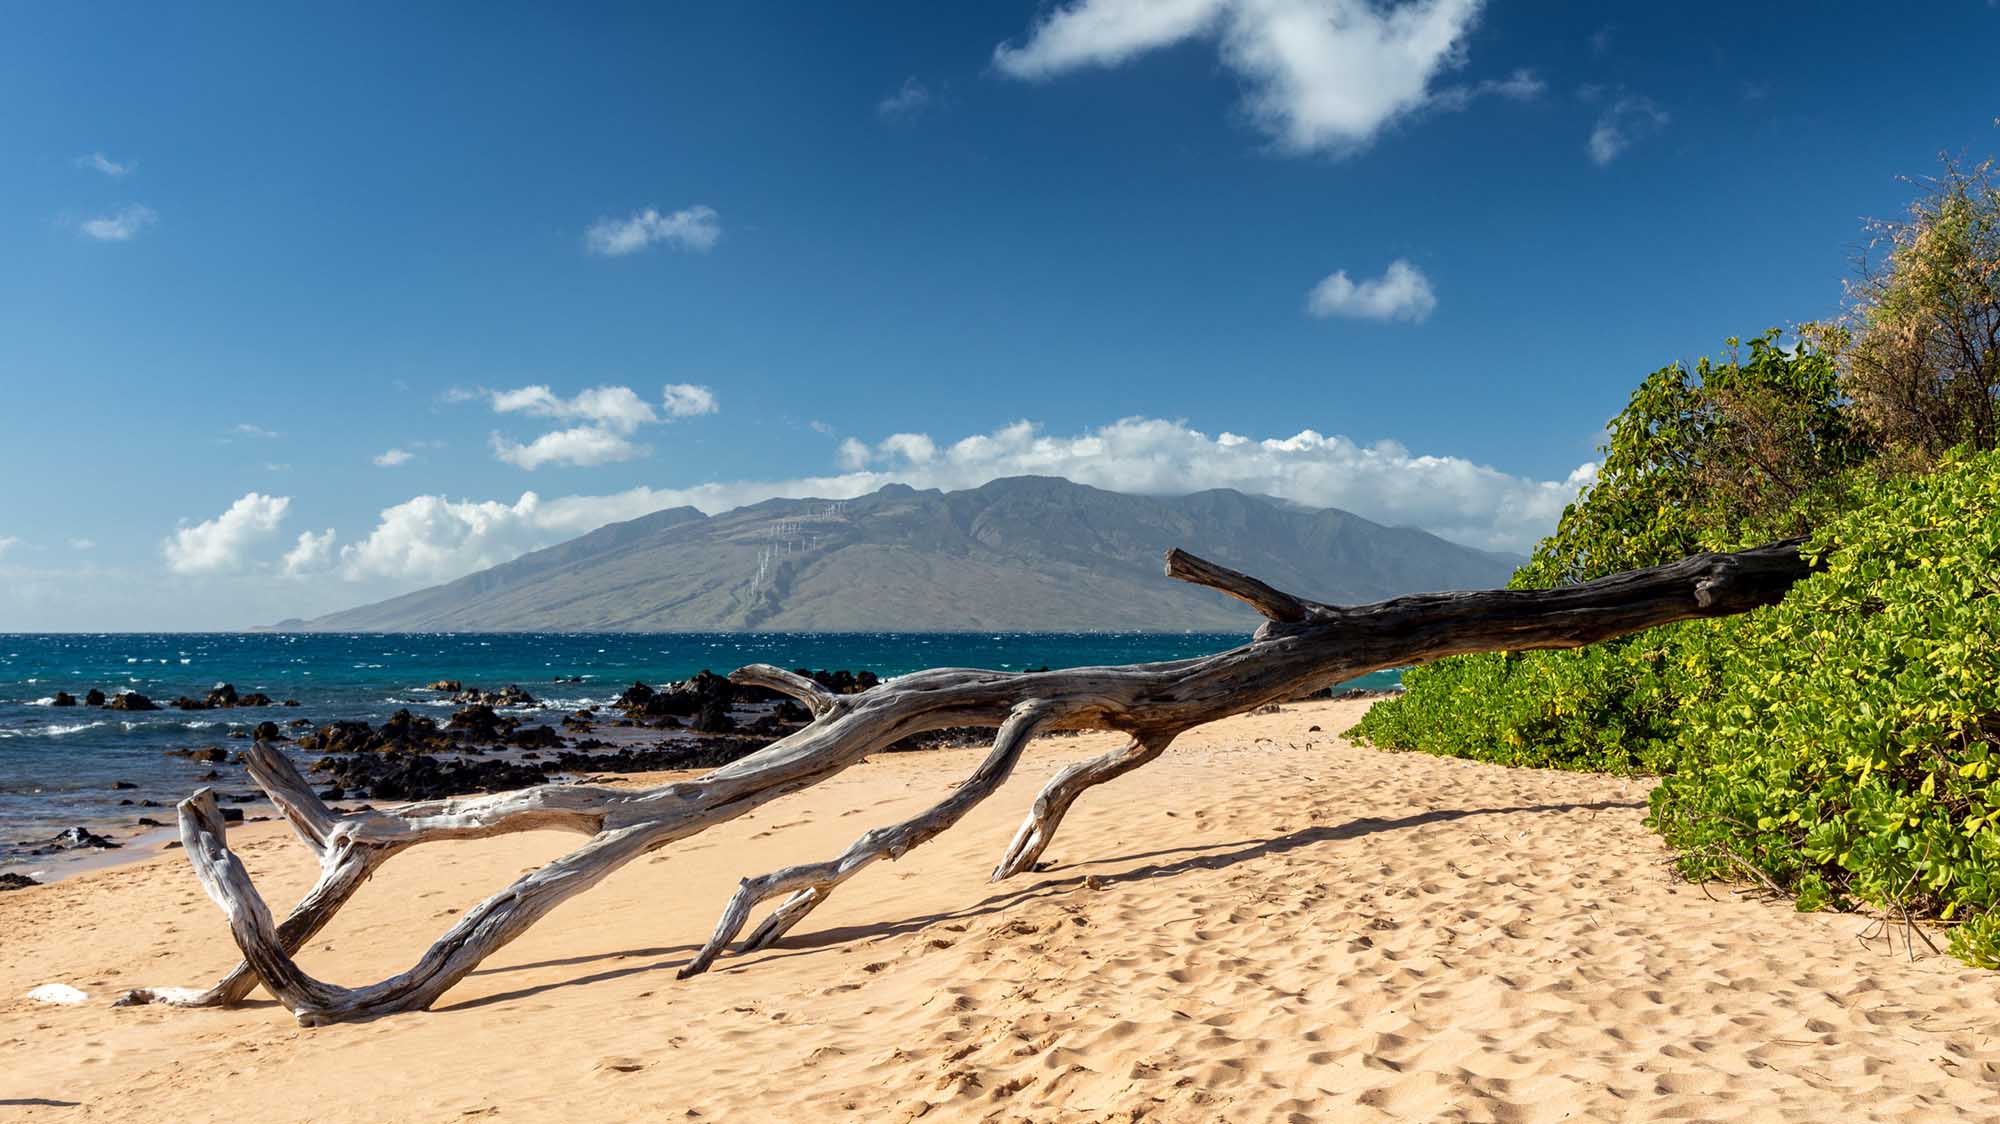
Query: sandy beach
(1266, 924)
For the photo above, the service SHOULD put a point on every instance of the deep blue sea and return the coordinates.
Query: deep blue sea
(58, 765)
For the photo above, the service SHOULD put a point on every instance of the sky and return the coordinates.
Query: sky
(303, 306)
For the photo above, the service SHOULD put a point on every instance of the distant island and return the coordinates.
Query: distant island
(1026, 553)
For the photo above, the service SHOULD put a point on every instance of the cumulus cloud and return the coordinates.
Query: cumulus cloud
(908, 103)
(120, 226)
(393, 458)
(580, 446)
(311, 554)
(686, 400)
(1624, 122)
(433, 538)
(222, 543)
(7, 543)
(1321, 75)
(1384, 481)
(613, 407)
(854, 454)
(611, 414)
(1401, 293)
(697, 228)
(915, 448)
(98, 162)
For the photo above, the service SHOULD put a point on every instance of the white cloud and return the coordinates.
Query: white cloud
(1623, 123)
(432, 538)
(221, 543)
(818, 426)
(98, 162)
(1521, 85)
(686, 400)
(1322, 75)
(8, 542)
(1105, 33)
(1401, 293)
(696, 228)
(907, 103)
(612, 407)
(393, 458)
(249, 430)
(612, 414)
(582, 446)
(120, 226)
(83, 544)
(310, 554)
(916, 448)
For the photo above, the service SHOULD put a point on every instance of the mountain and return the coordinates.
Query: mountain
(1028, 553)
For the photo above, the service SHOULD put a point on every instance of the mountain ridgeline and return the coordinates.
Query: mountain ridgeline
(1023, 554)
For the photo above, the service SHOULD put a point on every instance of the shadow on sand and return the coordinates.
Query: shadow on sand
(1215, 856)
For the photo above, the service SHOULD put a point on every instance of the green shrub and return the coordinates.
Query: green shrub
(1850, 751)
(1607, 708)
(1729, 453)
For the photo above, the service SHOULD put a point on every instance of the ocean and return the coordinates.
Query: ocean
(63, 766)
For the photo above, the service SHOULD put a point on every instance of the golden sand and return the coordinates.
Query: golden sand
(1265, 924)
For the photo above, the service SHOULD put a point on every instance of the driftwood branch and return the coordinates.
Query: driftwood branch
(1275, 604)
(1304, 645)
(809, 694)
(810, 884)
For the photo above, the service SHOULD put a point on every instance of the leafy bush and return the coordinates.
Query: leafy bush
(1851, 750)
(1845, 745)
(1607, 708)
(1739, 451)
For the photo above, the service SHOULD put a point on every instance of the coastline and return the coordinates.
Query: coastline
(64, 767)
(1266, 922)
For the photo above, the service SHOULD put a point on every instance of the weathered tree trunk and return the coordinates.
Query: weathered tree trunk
(1302, 645)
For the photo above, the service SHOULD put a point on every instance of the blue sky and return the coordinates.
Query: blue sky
(278, 282)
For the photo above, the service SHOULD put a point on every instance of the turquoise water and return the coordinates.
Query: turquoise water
(58, 765)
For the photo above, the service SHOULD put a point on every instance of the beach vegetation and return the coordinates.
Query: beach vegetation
(1842, 747)
(1728, 453)
(1849, 749)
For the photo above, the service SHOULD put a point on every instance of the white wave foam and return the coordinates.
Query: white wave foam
(575, 703)
(48, 731)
